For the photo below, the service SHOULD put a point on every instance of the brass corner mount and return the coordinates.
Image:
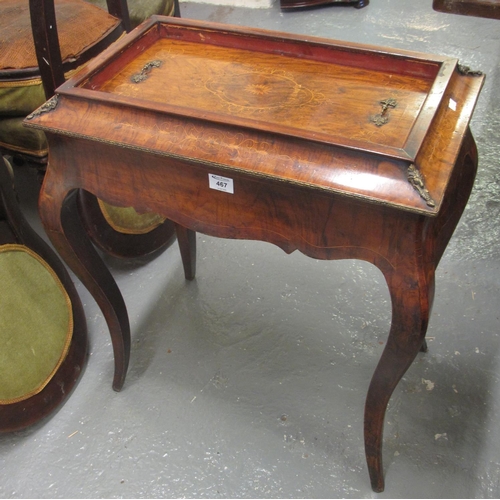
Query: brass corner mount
(417, 181)
(45, 107)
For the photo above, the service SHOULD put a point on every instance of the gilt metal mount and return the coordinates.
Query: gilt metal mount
(383, 117)
(466, 71)
(144, 73)
(417, 181)
(45, 107)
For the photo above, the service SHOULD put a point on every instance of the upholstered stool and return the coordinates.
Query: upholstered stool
(43, 335)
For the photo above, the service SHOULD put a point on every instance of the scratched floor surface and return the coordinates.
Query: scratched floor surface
(250, 381)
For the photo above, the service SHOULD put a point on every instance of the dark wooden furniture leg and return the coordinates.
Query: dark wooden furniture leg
(301, 4)
(177, 9)
(411, 297)
(59, 213)
(411, 285)
(478, 8)
(187, 246)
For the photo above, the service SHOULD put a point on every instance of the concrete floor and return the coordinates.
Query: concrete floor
(250, 381)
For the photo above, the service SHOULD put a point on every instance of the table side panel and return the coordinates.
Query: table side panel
(290, 216)
(438, 155)
(351, 173)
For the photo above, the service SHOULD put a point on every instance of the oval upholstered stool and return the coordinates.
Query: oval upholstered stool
(43, 333)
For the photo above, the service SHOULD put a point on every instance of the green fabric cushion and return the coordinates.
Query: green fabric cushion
(36, 323)
(15, 137)
(140, 10)
(128, 221)
(21, 98)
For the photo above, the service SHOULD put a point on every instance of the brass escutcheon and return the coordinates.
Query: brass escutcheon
(144, 73)
(382, 118)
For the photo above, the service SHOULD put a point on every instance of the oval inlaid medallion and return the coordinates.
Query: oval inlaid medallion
(256, 91)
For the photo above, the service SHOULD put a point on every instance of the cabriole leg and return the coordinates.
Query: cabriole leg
(411, 296)
(59, 214)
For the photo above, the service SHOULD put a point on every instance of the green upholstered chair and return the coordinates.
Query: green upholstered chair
(43, 335)
(29, 74)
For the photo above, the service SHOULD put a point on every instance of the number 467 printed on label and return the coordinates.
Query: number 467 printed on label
(220, 183)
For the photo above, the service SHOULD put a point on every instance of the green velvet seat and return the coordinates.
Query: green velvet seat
(36, 323)
(43, 336)
(84, 26)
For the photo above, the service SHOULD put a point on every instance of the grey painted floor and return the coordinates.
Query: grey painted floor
(250, 381)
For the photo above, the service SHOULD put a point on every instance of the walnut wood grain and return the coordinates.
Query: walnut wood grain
(310, 169)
